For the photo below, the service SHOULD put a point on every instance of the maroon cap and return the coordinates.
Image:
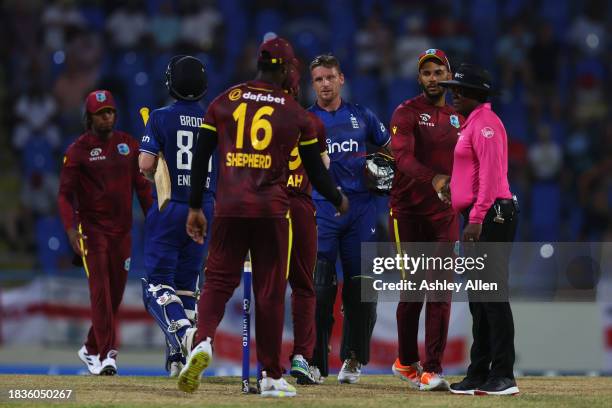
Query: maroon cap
(433, 53)
(292, 83)
(98, 100)
(275, 51)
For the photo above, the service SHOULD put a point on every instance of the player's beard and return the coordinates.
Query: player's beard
(104, 131)
(436, 96)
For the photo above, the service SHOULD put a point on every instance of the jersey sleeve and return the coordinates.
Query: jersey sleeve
(69, 180)
(377, 132)
(402, 145)
(318, 129)
(210, 120)
(307, 127)
(151, 141)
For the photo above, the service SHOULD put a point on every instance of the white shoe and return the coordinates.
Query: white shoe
(187, 341)
(199, 358)
(350, 371)
(315, 373)
(433, 382)
(109, 365)
(276, 388)
(175, 368)
(91, 361)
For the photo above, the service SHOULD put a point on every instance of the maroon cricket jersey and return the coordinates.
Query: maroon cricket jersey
(298, 182)
(257, 126)
(97, 182)
(423, 138)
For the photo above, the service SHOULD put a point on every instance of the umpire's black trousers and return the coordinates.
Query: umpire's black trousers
(492, 353)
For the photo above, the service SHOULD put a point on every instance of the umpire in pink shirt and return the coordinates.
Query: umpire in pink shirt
(479, 190)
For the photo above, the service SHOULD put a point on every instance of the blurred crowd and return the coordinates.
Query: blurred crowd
(551, 59)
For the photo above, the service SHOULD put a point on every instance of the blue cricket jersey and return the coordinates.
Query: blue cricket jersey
(348, 129)
(173, 130)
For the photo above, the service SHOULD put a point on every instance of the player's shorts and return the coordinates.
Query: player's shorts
(268, 240)
(344, 234)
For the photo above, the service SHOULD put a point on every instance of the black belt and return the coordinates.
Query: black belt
(505, 207)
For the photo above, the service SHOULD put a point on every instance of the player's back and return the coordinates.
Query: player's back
(173, 131)
(258, 125)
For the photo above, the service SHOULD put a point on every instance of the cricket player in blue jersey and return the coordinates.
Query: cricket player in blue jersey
(173, 261)
(348, 127)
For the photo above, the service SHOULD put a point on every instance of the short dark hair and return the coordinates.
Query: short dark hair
(327, 61)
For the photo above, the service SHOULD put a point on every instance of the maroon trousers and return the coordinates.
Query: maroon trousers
(269, 240)
(437, 314)
(106, 263)
(301, 275)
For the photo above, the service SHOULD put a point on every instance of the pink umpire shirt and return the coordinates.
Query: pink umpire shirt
(480, 165)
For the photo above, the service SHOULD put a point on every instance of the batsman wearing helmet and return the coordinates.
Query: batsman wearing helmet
(173, 261)
(424, 131)
(98, 179)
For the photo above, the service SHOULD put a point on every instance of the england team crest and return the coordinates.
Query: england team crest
(454, 120)
(123, 149)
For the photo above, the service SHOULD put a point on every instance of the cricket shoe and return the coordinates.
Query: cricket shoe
(199, 359)
(301, 370)
(467, 386)
(276, 388)
(187, 341)
(109, 365)
(175, 369)
(409, 373)
(316, 375)
(92, 361)
(498, 386)
(350, 371)
(433, 382)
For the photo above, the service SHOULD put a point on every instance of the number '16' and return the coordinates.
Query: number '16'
(257, 123)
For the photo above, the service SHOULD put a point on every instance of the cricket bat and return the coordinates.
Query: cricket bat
(162, 175)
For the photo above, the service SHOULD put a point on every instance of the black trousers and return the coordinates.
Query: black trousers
(492, 353)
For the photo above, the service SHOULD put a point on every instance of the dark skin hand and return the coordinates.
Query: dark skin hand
(75, 238)
(472, 232)
(196, 225)
(441, 183)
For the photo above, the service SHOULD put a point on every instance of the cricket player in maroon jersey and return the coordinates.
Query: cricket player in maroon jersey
(97, 182)
(424, 131)
(256, 125)
(304, 251)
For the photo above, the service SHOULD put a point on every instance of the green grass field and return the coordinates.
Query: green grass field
(373, 391)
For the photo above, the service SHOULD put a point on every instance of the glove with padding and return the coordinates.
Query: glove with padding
(379, 172)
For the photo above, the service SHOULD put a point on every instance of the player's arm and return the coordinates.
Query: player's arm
(147, 164)
(325, 159)
(378, 133)
(402, 148)
(150, 146)
(69, 178)
(321, 134)
(319, 176)
(205, 147)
